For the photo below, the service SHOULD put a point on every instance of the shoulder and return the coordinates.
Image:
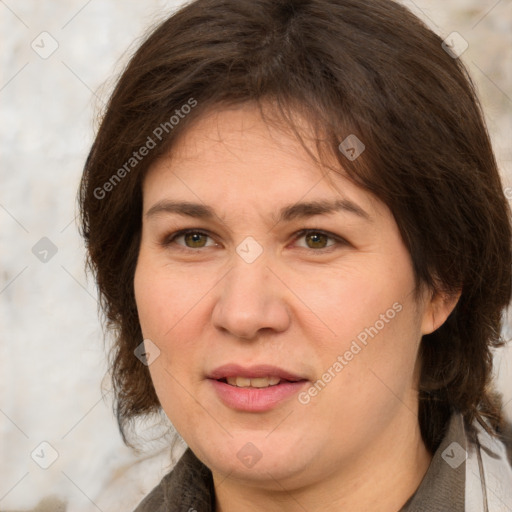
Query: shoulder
(155, 500)
(488, 470)
(188, 486)
(506, 439)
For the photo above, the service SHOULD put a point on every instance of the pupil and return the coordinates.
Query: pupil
(195, 239)
(316, 238)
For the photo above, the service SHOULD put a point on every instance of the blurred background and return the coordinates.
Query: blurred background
(58, 438)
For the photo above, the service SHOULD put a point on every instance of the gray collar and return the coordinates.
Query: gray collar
(469, 472)
(442, 487)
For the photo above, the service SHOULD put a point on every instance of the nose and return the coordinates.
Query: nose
(251, 300)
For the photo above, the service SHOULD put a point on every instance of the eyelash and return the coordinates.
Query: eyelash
(168, 240)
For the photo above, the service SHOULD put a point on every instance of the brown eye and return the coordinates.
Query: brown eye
(314, 239)
(189, 239)
(195, 239)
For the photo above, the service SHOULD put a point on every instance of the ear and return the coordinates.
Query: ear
(438, 306)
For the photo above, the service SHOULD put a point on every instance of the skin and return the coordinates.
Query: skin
(356, 445)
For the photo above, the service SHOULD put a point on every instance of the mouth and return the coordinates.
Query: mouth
(258, 376)
(254, 389)
(257, 382)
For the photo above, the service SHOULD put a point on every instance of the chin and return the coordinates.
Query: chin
(258, 457)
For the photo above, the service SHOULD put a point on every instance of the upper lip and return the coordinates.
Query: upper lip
(253, 372)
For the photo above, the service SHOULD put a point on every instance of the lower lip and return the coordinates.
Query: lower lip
(256, 399)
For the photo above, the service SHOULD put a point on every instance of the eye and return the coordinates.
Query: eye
(318, 239)
(192, 239)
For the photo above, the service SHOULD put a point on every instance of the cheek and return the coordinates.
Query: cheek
(379, 362)
(166, 298)
(372, 334)
(373, 380)
(355, 300)
(169, 307)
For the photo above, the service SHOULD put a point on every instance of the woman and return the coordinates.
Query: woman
(300, 237)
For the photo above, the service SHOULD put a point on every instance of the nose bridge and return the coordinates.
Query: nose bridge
(249, 298)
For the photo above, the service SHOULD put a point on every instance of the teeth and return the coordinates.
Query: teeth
(261, 382)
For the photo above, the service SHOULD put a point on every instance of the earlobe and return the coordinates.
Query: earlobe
(437, 309)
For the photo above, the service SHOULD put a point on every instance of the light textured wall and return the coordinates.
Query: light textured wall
(52, 358)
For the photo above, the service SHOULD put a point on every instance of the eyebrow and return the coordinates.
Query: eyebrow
(287, 213)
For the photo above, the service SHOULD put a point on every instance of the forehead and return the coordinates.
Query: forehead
(239, 135)
(233, 155)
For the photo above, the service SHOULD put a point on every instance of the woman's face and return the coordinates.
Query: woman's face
(248, 292)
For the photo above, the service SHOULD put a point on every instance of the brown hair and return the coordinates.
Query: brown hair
(363, 67)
